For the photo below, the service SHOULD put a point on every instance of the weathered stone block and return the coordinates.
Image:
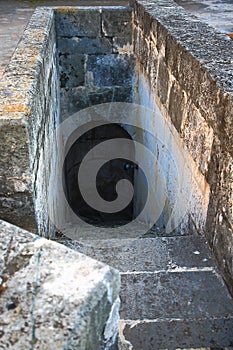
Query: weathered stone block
(198, 137)
(150, 254)
(15, 206)
(152, 65)
(144, 19)
(106, 95)
(172, 295)
(173, 52)
(53, 297)
(177, 105)
(161, 38)
(75, 99)
(117, 23)
(162, 81)
(77, 45)
(78, 22)
(219, 218)
(71, 68)
(110, 70)
(120, 45)
(136, 39)
(141, 46)
(178, 334)
(14, 161)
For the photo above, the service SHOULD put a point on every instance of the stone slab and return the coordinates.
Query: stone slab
(84, 22)
(189, 252)
(118, 23)
(149, 254)
(130, 255)
(75, 99)
(52, 297)
(84, 45)
(174, 295)
(204, 334)
(111, 69)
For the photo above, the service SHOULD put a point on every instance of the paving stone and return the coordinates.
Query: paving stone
(189, 252)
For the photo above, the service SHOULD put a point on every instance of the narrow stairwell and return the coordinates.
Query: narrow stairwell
(172, 295)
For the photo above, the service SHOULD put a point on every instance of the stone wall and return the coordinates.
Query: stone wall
(189, 68)
(29, 115)
(96, 64)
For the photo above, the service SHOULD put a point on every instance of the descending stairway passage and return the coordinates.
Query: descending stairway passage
(172, 296)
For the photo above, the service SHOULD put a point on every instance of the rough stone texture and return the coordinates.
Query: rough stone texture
(177, 309)
(178, 334)
(95, 64)
(149, 254)
(117, 23)
(29, 113)
(176, 105)
(81, 22)
(193, 84)
(196, 294)
(23, 90)
(198, 137)
(84, 45)
(111, 70)
(53, 297)
(73, 73)
(172, 294)
(16, 198)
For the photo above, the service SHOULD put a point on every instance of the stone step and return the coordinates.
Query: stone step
(176, 309)
(198, 334)
(172, 296)
(149, 254)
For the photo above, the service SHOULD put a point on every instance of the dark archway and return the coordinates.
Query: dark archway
(108, 176)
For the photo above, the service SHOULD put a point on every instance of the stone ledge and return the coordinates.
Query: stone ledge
(53, 297)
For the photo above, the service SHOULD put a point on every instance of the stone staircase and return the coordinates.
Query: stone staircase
(172, 295)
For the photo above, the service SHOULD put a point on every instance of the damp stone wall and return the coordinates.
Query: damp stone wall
(95, 53)
(188, 66)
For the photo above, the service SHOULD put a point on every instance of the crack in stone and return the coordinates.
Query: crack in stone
(34, 295)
